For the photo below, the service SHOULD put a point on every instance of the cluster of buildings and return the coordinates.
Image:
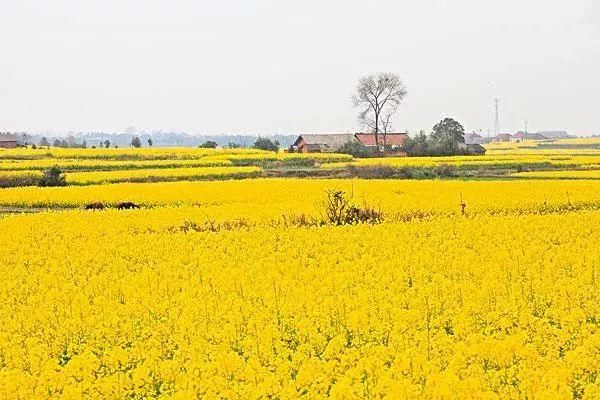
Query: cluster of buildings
(475, 138)
(330, 143)
(393, 142)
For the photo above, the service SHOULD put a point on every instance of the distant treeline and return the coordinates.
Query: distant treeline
(159, 139)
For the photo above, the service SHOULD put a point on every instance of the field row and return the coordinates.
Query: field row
(144, 175)
(237, 156)
(579, 174)
(268, 199)
(110, 305)
(108, 165)
(474, 162)
(324, 160)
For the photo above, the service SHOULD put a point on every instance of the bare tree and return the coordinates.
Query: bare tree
(378, 96)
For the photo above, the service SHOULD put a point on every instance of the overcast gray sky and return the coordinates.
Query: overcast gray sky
(267, 66)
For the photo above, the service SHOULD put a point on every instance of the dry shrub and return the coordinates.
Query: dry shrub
(300, 220)
(339, 210)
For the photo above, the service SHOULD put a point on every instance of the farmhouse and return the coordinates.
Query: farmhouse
(502, 137)
(534, 136)
(554, 134)
(524, 136)
(321, 143)
(8, 141)
(329, 143)
(393, 140)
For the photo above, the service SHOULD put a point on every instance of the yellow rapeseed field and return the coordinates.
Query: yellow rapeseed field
(117, 304)
(108, 165)
(268, 198)
(147, 154)
(89, 177)
(177, 153)
(579, 174)
(501, 160)
(240, 289)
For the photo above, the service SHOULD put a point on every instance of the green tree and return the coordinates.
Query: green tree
(53, 177)
(209, 144)
(107, 143)
(266, 144)
(136, 142)
(448, 134)
(44, 142)
(418, 145)
(150, 142)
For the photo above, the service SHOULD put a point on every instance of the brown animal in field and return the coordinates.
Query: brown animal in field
(127, 205)
(94, 206)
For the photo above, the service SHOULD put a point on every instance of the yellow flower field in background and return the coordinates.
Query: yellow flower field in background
(171, 154)
(552, 159)
(18, 173)
(586, 174)
(121, 153)
(108, 165)
(589, 145)
(111, 305)
(158, 173)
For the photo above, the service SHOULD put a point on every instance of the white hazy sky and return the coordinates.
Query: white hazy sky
(268, 66)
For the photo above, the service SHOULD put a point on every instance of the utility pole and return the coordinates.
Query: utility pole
(497, 119)
(526, 123)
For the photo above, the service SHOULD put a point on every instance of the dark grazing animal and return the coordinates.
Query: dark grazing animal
(94, 206)
(127, 205)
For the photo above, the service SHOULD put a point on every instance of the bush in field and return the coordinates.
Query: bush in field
(266, 144)
(53, 177)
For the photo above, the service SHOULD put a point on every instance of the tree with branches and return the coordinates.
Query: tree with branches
(386, 124)
(378, 96)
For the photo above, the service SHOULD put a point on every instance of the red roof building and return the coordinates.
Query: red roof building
(328, 143)
(389, 139)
